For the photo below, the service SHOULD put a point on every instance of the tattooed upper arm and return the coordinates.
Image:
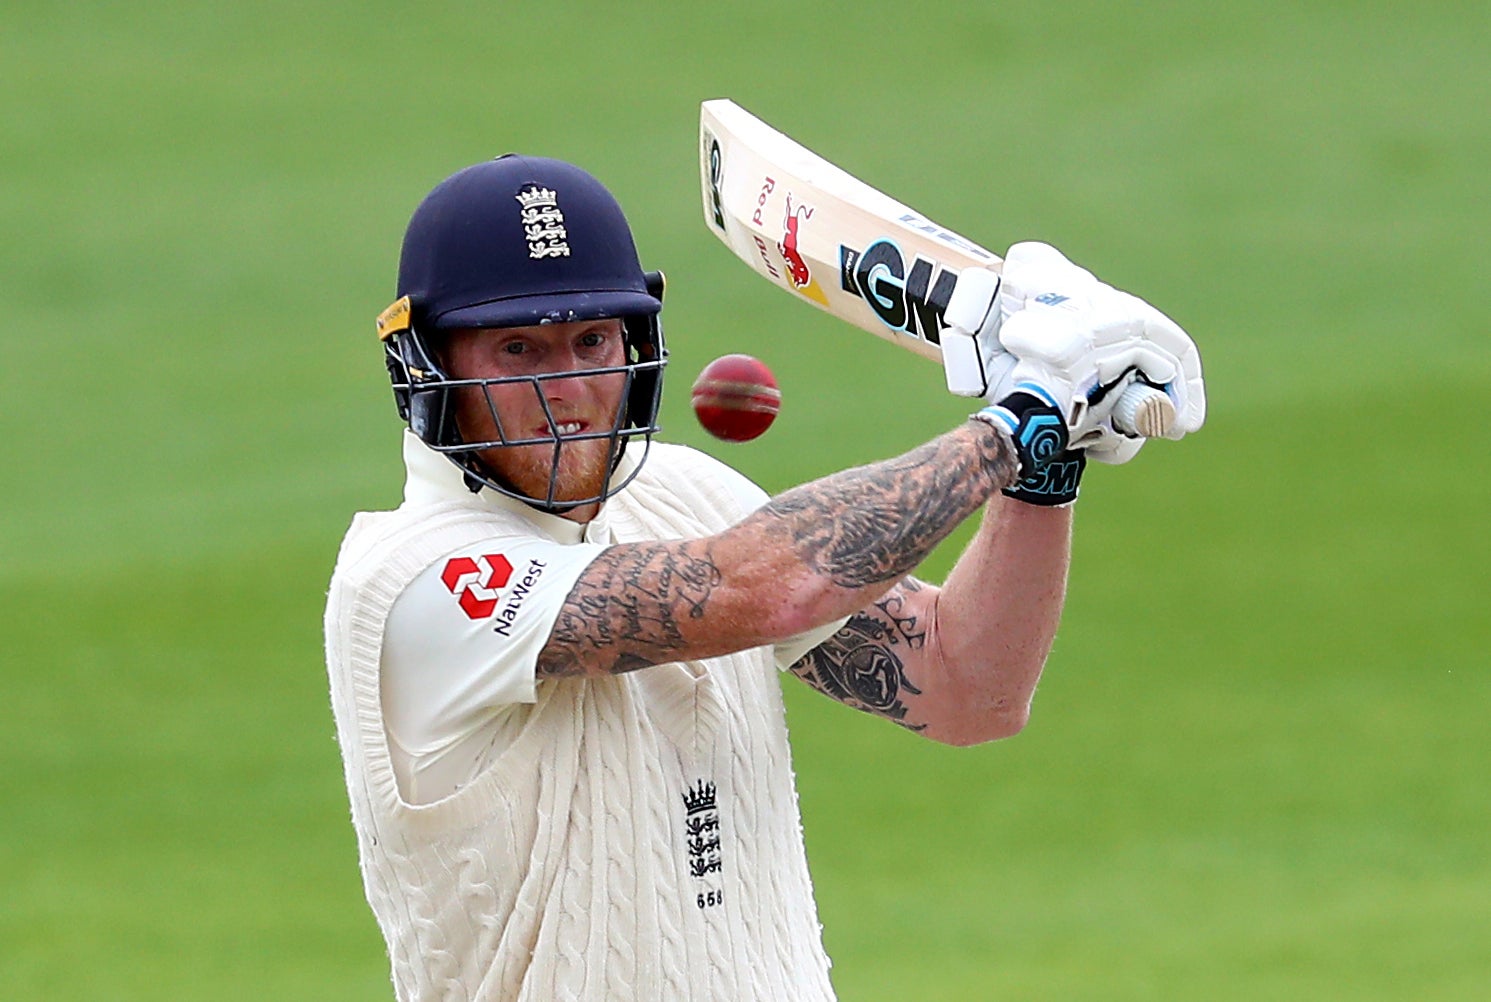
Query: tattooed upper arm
(630, 609)
(871, 662)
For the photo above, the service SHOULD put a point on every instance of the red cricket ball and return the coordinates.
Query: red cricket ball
(736, 398)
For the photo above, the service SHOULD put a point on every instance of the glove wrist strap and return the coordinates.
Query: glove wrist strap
(1049, 472)
(1054, 485)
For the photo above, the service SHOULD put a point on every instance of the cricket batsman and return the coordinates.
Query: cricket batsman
(554, 667)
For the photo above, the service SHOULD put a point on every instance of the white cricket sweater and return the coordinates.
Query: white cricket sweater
(639, 840)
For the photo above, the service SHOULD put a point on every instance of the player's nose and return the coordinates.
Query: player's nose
(562, 383)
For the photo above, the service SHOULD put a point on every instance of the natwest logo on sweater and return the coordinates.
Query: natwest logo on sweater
(477, 582)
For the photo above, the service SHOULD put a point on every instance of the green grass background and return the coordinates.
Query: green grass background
(1258, 764)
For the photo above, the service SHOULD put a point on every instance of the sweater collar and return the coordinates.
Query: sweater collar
(432, 479)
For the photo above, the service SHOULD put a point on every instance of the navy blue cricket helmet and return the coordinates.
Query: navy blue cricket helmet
(515, 242)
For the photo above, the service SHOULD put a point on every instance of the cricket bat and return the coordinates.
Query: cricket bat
(830, 239)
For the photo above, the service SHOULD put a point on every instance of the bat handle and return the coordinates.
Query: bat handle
(1144, 410)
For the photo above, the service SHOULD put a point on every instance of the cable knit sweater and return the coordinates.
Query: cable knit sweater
(640, 837)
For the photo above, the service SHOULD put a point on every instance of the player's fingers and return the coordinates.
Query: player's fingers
(1110, 328)
(1192, 414)
(1049, 336)
(1115, 449)
(1156, 366)
(1032, 255)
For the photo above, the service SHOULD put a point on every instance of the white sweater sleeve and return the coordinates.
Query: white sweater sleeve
(461, 646)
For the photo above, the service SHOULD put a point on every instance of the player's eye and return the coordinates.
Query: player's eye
(513, 347)
(593, 338)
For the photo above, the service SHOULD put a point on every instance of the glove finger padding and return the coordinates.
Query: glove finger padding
(1049, 335)
(1112, 447)
(1035, 272)
(1058, 314)
(972, 358)
(1168, 359)
(1188, 392)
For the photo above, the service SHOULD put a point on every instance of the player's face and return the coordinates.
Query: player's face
(579, 403)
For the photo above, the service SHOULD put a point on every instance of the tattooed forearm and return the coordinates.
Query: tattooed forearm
(629, 606)
(861, 666)
(641, 604)
(874, 524)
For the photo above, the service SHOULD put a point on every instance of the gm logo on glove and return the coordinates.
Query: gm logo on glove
(1042, 438)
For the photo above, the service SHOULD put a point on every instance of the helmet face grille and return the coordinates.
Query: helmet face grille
(430, 394)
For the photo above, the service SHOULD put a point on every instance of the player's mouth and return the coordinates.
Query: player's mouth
(563, 429)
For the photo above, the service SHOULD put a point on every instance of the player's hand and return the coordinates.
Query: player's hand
(1100, 337)
(1083, 340)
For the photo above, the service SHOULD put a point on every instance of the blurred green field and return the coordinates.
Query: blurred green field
(1258, 764)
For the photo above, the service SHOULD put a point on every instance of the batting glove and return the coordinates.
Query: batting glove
(1083, 340)
(1049, 471)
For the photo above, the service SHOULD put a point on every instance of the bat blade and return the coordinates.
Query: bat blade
(825, 236)
(832, 240)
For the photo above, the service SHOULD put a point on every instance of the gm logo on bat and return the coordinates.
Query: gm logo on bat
(911, 300)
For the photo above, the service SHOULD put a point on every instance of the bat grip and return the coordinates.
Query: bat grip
(1145, 411)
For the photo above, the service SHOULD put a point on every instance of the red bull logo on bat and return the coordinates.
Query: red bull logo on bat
(797, 268)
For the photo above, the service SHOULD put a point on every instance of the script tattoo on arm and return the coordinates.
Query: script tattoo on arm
(863, 664)
(874, 524)
(629, 606)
